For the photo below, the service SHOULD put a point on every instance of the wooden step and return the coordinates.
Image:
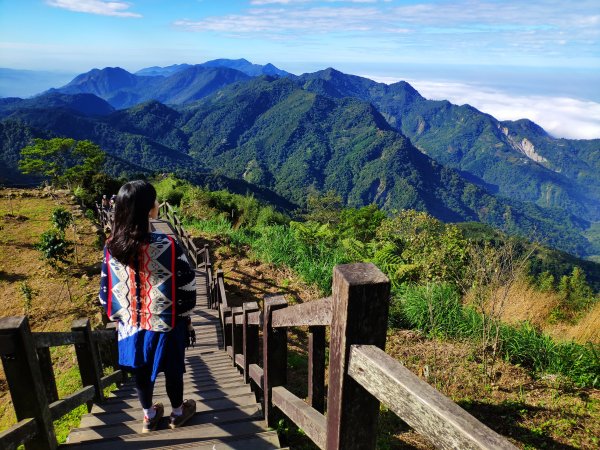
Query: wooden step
(242, 415)
(188, 388)
(103, 417)
(160, 383)
(116, 404)
(182, 438)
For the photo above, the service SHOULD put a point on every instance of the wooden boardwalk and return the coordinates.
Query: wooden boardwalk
(227, 417)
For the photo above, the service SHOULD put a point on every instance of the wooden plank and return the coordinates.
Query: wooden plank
(63, 406)
(114, 377)
(117, 412)
(19, 433)
(250, 342)
(417, 403)
(239, 360)
(56, 339)
(274, 355)
(256, 373)
(360, 309)
(237, 332)
(45, 362)
(316, 367)
(255, 318)
(183, 438)
(232, 422)
(101, 336)
(88, 359)
(311, 421)
(317, 312)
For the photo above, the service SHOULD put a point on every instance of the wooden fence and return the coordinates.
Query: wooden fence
(30, 377)
(361, 374)
(28, 365)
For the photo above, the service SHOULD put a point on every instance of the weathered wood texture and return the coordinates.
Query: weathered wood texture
(311, 421)
(25, 383)
(417, 403)
(316, 367)
(65, 405)
(317, 312)
(274, 355)
(250, 343)
(45, 362)
(360, 309)
(57, 338)
(19, 433)
(88, 359)
(237, 332)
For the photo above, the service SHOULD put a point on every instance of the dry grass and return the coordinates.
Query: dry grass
(24, 215)
(526, 303)
(532, 413)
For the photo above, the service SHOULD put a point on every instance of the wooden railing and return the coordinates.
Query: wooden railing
(166, 212)
(28, 368)
(105, 216)
(361, 374)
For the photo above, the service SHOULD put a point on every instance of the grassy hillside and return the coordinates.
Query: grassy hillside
(30, 286)
(532, 409)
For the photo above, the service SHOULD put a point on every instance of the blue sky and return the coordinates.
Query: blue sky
(524, 49)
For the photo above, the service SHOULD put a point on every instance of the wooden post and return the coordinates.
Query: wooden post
(209, 286)
(274, 355)
(88, 359)
(360, 310)
(47, 371)
(316, 367)
(237, 332)
(250, 340)
(114, 350)
(24, 379)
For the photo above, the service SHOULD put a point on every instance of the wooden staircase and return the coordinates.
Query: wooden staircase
(227, 413)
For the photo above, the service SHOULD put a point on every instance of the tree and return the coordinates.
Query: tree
(65, 161)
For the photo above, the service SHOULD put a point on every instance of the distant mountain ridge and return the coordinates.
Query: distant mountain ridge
(242, 65)
(329, 130)
(517, 159)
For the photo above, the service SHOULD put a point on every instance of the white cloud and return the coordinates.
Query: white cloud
(560, 116)
(311, 20)
(101, 7)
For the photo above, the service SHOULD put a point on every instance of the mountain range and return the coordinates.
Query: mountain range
(277, 134)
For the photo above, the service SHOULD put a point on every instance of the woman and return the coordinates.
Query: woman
(148, 286)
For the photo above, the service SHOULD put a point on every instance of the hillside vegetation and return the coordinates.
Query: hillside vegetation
(51, 298)
(441, 325)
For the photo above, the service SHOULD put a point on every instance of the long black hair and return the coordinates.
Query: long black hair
(131, 223)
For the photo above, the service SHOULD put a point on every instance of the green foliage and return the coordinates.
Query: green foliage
(323, 208)
(64, 161)
(55, 248)
(28, 293)
(437, 310)
(170, 190)
(433, 250)
(545, 281)
(575, 293)
(61, 219)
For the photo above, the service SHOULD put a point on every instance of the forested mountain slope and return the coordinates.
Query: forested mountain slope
(517, 159)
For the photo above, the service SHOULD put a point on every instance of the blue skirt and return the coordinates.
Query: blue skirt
(160, 351)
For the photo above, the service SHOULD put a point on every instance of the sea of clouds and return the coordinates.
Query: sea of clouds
(560, 116)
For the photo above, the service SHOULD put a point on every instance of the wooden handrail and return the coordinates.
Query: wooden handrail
(317, 312)
(311, 421)
(20, 433)
(417, 403)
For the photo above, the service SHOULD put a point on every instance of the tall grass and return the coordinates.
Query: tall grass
(313, 262)
(437, 310)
